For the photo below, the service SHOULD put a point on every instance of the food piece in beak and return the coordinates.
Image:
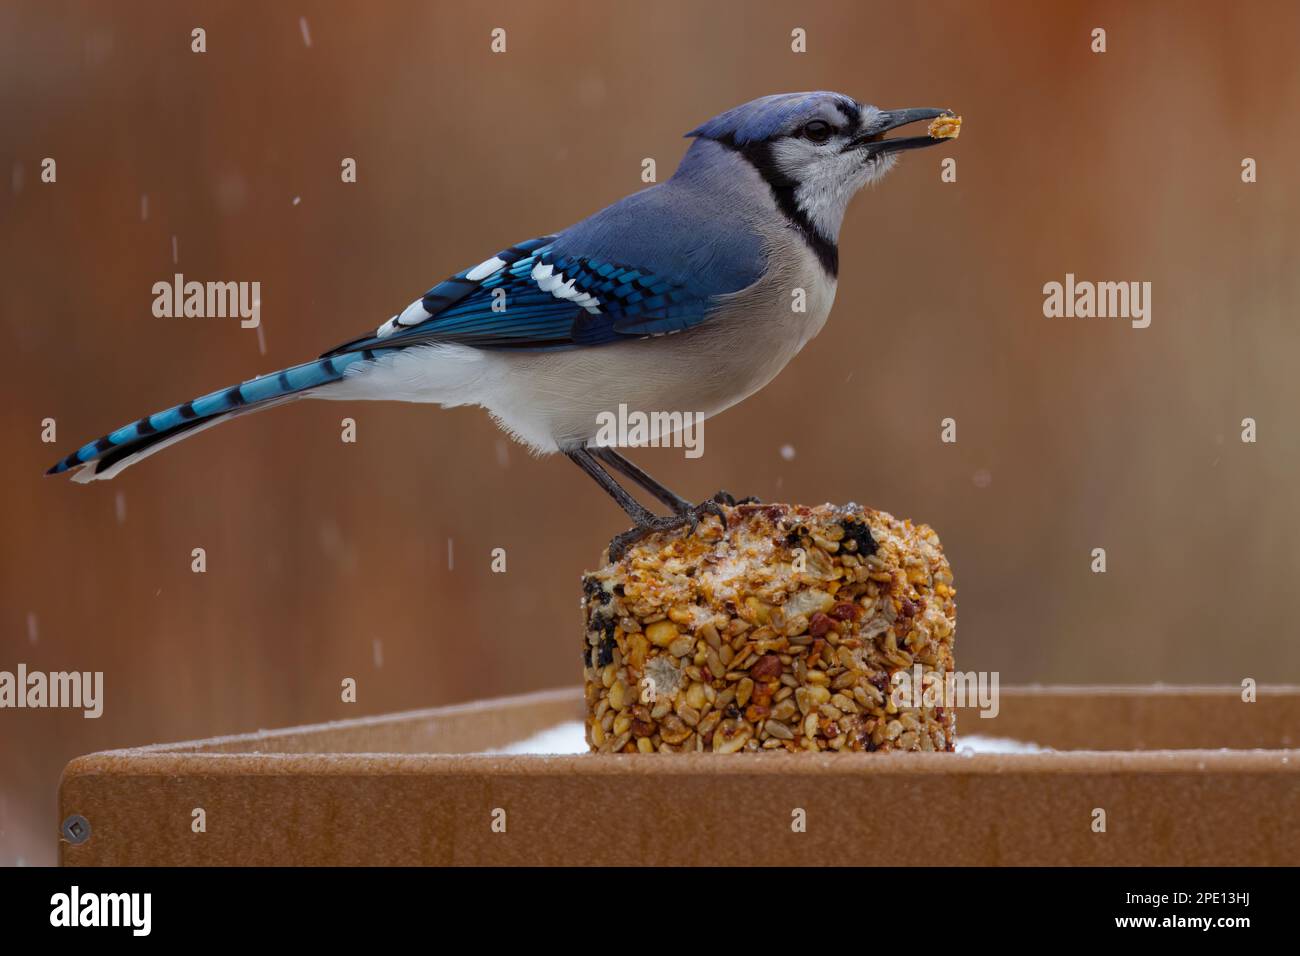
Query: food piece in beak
(945, 127)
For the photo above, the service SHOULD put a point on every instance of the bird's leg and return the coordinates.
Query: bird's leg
(646, 521)
(629, 470)
(693, 513)
(669, 497)
(635, 510)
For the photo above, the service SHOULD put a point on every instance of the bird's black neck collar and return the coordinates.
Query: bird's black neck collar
(759, 155)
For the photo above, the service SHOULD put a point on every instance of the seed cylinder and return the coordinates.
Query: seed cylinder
(782, 627)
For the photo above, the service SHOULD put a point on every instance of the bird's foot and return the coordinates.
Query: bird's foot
(619, 544)
(710, 506)
(688, 518)
(724, 497)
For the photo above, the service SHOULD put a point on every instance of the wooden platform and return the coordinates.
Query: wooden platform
(413, 788)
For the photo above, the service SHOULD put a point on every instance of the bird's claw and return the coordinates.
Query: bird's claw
(688, 518)
(619, 544)
(710, 506)
(724, 497)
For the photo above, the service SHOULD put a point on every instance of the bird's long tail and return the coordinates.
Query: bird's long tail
(105, 457)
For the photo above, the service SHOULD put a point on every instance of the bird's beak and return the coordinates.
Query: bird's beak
(872, 140)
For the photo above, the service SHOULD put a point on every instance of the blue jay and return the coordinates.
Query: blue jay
(675, 297)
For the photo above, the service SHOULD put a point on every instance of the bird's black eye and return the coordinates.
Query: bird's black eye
(819, 131)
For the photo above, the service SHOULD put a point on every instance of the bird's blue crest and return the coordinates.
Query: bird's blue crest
(768, 116)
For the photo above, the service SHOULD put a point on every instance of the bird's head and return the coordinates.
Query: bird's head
(816, 149)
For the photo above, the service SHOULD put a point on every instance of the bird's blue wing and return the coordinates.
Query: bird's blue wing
(533, 296)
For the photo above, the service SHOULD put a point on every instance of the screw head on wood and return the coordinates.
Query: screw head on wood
(75, 829)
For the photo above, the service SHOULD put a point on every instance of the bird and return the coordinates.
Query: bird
(676, 297)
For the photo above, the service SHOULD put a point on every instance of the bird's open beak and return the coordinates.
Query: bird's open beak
(873, 142)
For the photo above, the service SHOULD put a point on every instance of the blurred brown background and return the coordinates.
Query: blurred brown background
(328, 560)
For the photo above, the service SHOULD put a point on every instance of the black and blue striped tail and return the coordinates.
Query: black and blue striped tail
(151, 433)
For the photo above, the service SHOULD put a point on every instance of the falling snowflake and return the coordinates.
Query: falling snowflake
(335, 548)
(787, 452)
